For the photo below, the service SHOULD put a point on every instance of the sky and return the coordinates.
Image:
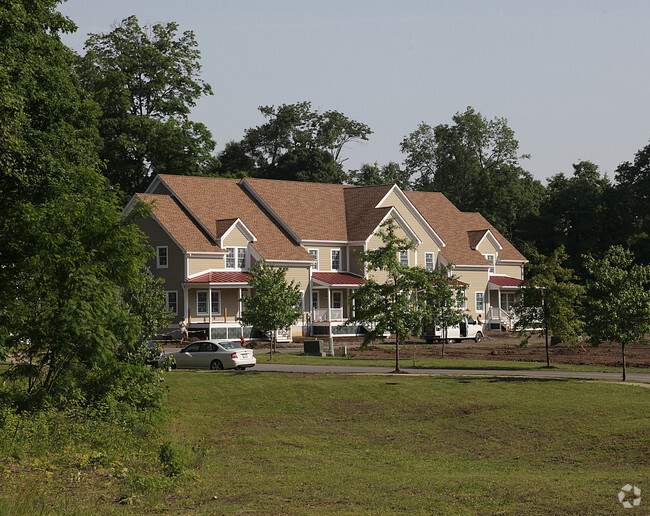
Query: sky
(572, 77)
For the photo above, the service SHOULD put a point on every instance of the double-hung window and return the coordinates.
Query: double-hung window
(480, 305)
(235, 257)
(161, 258)
(490, 259)
(428, 261)
(171, 301)
(336, 259)
(404, 258)
(314, 255)
(202, 303)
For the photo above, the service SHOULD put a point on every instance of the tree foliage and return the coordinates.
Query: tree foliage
(475, 163)
(275, 303)
(146, 80)
(618, 307)
(551, 298)
(390, 173)
(296, 143)
(67, 256)
(408, 298)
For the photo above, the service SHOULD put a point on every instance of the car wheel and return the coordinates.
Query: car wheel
(216, 364)
(478, 336)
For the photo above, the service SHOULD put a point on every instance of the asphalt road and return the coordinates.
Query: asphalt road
(327, 369)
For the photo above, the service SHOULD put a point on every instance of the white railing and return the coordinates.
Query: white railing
(508, 319)
(320, 315)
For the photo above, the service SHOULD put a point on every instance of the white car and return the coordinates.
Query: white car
(212, 354)
(467, 329)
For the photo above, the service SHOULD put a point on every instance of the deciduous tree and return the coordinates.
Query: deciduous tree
(550, 297)
(618, 307)
(146, 80)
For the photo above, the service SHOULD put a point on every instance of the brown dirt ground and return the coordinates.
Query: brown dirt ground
(506, 346)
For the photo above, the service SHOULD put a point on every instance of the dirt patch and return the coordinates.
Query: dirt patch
(503, 346)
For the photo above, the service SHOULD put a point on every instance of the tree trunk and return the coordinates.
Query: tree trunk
(397, 369)
(548, 356)
(624, 371)
(271, 346)
(444, 341)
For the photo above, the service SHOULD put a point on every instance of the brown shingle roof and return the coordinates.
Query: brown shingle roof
(213, 199)
(459, 230)
(181, 227)
(361, 215)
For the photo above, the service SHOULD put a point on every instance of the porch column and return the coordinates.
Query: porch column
(329, 307)
(209, 312)
(239, 303)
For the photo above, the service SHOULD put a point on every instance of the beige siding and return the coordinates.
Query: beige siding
(229, 305)
(174, 274)
(199, 264)
(325, 257)
(300, 275)
(428, 244)
(486, 247)
(514, 271)
(235, 239)
(376, 242)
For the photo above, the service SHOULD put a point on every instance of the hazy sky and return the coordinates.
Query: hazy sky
(571, 76)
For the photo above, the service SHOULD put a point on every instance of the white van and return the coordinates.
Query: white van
(467, 329)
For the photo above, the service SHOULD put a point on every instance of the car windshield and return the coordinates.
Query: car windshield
(229, 345)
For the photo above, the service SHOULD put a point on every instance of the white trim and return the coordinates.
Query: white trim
(208, 300)
(204, 254)
(400, 222)
(323, 242)
(340, 292)
(433, 262)
(332, 251)
(239, 224)
(288, 263)
(408, 258)
(476, 294)
(415, 212)
(158, 249)
(493, 240)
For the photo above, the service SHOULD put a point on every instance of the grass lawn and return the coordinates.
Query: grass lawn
(309, 444)
(434, 363)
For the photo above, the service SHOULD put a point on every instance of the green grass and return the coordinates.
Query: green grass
(434, 363)
(311, 444)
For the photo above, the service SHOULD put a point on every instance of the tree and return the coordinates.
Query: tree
(441, 301)
(67, 256)
(618, 307)
(632, 197)
(392, 306)
(474, 162)
(146, 80)
(550, 297)
(574, 215)
(391, 173)
(275, 304)
(298, 143)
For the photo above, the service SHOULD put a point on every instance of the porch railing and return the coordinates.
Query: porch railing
(507, 318)
(321, 315)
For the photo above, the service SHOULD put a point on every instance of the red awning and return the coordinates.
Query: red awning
(221, 277)
(505, 281)
(337, 278)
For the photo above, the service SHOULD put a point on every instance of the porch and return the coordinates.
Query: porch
(503, 293)
(330, 308)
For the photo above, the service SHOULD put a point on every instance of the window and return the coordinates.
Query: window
(336, 259)
(507, 300)
(490, 258)
(235, 257)
(480, 306)
(202, 303)
(241, 257)
(404, 258)
(161, 257)
(314, 255)
(171, 301)
(461, 301)
(314, 300)
(337, 299)
(428, 261)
